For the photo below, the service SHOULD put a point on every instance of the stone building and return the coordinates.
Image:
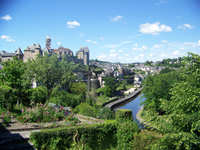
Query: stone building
(61, 51)
(31, 52)
(4, 56)
(83, 54)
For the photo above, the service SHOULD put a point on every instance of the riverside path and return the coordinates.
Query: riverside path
(111, 105)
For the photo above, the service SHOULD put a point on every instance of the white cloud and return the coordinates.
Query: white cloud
(73, 24)
(156, 46)
(101, 38)
(116, 18)
(176, 52)
(154, 28)
(140, 48)
(185, 26)
(112, 51)
(192, 44)
(169, 48)
(7, 38)
(120, 51)
(6, 17)
(102, 57)
(182, 48)
(136, 45)
(113, 55)
(151, 55)
(58, 43)
(164, 41)
(88, 41)
(126, 55)
(161, 2)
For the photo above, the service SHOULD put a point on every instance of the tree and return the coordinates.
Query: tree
(49, 71)
(180, 126)
(157, 87)
(79, 88)
(166, 70)
(11, 81)
(110, 85)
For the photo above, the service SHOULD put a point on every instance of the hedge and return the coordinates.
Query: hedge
(122, 115)
(95, 137)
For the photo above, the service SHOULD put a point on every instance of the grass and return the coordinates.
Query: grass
(102, 99)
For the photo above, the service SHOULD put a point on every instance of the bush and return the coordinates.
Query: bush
(61, 97)
(95, 137)
(86, 110)
(105, 113)
(125, 132)
(6, 119)
(122, 115)
(144, 140)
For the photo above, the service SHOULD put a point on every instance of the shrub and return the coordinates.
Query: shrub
(125, 132)
(6, 119)
(95, 137)
(86, 110)
(105, 113)
(122, 115)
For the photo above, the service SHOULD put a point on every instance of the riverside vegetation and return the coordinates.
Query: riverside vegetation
(171, 105)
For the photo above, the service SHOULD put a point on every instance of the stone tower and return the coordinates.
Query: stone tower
(48, 42)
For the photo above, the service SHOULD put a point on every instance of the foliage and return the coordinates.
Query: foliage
(125, 128)
(86, 110)
(95, 137)
(122, 115)
(110, 86)
(105, 113)
(78, 88)
(6, 118)
(157, 87)
(180, 125)
(125, 131)
(145, 139)
(11, 83)
(49, 71)
(40, 113)
(166, 70)
(38, 94)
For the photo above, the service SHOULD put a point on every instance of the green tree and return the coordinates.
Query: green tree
(180, 126)
(166, 70)
(79, 88)
(110, 85)
(11, 82)
(49, 71)
(157, 87)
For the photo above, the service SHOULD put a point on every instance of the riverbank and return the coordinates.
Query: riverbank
(122, 100)
(138, 116)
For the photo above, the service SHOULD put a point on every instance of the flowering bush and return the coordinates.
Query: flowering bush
(40, 113)
(6, 118)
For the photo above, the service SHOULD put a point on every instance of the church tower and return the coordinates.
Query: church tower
(48, 42)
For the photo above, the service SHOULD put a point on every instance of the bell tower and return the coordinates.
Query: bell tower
(48, 42)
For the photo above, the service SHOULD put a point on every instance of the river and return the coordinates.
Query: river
(134, 105)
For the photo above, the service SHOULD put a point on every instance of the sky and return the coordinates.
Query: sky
(124, 31)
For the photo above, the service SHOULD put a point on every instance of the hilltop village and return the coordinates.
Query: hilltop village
(134, 73)
(31, 52)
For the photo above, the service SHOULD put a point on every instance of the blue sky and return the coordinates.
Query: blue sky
(113, 30)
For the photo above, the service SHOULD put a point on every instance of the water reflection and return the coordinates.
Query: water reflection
(134, 105)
